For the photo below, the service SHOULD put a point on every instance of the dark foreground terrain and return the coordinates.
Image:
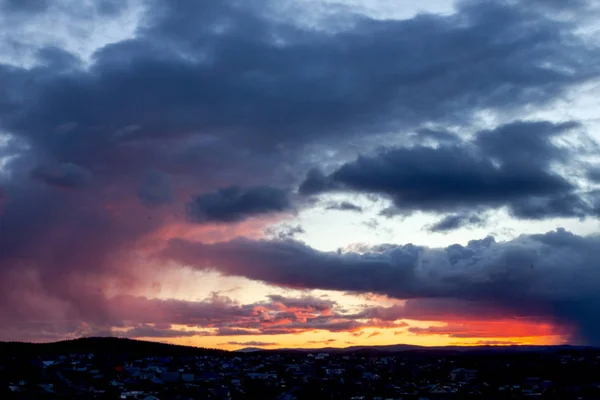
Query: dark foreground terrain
(108, 368)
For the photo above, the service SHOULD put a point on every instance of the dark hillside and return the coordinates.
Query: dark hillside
(103, 346)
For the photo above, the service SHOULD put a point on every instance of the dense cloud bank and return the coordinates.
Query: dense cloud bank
(211, 111)
(236, 204)
(510, 166)
(552, 275)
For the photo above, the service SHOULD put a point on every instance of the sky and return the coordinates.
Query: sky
(310, 173)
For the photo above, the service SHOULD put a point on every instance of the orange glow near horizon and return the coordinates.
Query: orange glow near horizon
(489, 333)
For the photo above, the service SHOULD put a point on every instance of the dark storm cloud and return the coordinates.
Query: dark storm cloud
(235, 204)
(553, 275)
(228, 77)
(508, 166)
(302, 267)
(65, 175)
(57, 59)
(178, 93)
(218, 94)
(316, 182)
(524, 144)
(457, 221)
(566, 205)
(344, 206)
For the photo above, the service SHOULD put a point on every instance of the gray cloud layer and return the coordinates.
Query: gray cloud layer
(508, 166)
(236, 204)
(551, 275)
(222, 103)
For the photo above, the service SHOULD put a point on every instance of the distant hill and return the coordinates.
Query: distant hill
(352, 349)
(398, 348)
(98, 345)
(249, 350)
(131, 347)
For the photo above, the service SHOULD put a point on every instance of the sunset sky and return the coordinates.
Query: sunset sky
(300, 173)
